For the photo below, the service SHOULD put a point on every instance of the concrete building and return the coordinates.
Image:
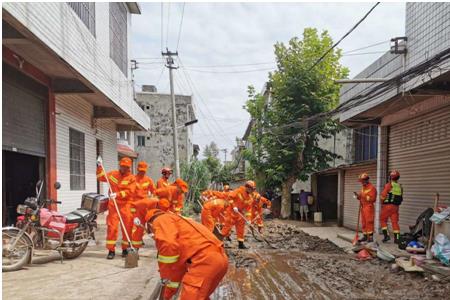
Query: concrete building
(156, 146)
(404, 122)
(66, 92)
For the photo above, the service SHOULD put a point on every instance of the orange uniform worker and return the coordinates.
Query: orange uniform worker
(142, 202)
(164, 180)
(123, 188)
(257, 209)
(188, 253)
(241, 202)
(391, 197)
(175, 194)
(211, 212)
(367, 197)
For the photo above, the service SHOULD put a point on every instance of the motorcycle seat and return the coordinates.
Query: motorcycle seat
(77, 216)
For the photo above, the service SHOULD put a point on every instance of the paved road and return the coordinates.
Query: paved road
(90, 276)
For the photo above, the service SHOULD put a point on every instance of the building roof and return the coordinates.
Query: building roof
(134, 8)
(125, 150)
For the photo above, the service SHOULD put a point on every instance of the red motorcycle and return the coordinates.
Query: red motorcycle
(39, 228)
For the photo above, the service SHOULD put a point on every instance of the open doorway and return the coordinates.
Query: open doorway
(21, 172)
(327, 194)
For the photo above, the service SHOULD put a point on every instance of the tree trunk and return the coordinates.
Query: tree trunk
(286, 189)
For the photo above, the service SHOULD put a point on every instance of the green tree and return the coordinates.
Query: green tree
(212, 161)
(197, 175)
(285, 143)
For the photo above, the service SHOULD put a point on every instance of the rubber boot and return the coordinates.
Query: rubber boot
(386, 236)
(111, 255)
(124, 253)
(370, 238)
(363, 239)
(396, 238)
(242, 246)
(227, 238)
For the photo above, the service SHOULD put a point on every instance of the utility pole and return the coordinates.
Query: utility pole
(225, 152)
(170, 66)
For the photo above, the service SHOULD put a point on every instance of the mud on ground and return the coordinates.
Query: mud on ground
(307, 267)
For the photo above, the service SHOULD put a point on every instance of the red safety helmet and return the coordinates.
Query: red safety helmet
(126, 162)
(394, 175)
(142, 166)
(363, 177)
(250, 184)
(166, 171)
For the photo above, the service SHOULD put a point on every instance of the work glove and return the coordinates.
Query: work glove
(235, 209)
(113, 195)
(99, 161)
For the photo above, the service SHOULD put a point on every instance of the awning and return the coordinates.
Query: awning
(125, 150)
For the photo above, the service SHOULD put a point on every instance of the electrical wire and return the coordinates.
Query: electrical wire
(345, 35)
(230, 72)
(181, 26)
(366, 47)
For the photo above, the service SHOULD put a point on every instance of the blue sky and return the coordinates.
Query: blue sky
(218, 34)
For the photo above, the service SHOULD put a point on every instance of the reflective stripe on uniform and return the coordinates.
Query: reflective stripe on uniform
(100, 174)
(124, 182)
(110, 242)
(124, 242)
(173, 285)
(136, 242)
(123, 194)
(145, 184)
(177, 209)
(133, 210)
(113, 179)
(168, 259)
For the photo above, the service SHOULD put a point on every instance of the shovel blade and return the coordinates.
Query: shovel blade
(131, 260)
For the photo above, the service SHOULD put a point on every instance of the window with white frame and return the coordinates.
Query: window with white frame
(86, 13)
(77, 160)
(141, 140)
(118, 35)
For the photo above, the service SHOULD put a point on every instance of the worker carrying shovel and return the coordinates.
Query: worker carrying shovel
(188, 254)
(257, 210)
(123, 187)
(367, 197)
(240, 211)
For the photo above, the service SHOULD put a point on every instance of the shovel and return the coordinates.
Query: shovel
(356, 238)
(216, 230)
(256, 230)
(131, 260)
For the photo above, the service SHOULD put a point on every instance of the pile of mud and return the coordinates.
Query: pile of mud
(290, 237)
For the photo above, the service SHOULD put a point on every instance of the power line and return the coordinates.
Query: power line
(345, 35)
(229, 72)
(181, 26)
(232, 65)
(366, 47)
(364, 53)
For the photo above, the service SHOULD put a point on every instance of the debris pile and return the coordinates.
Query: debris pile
(289, 237)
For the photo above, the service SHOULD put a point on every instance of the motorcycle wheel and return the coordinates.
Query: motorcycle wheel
(17, 258)
(75, 251)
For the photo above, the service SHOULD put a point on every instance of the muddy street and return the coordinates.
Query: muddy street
(307, 267)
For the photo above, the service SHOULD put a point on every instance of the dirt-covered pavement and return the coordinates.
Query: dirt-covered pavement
(307, 267)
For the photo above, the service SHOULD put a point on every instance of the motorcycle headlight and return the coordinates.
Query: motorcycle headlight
(21, 209)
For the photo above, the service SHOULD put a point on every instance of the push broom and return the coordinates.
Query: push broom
(131, 260)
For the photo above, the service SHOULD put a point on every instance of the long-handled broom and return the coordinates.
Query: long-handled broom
(131, 260)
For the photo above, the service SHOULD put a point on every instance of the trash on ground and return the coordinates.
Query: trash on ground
(441, 249)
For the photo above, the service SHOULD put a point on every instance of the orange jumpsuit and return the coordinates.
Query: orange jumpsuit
(124, 186)
(243, 201)
(257, 208)
(140, 205)
(175, 197)
(211, 212)
(188, 253)
(389, 208)
(162, 183)
(367, 198)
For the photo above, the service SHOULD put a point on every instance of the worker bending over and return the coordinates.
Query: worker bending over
(212, 212)
(123, 187)
(142, 202)
(188, 253)
(241, 202)
(257, 210)
(175, 194)
(367, 197)
(164, 180)
(391, 197)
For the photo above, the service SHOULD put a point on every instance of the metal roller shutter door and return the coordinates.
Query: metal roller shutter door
(420, 149)
(23, 114)
(351, 185)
